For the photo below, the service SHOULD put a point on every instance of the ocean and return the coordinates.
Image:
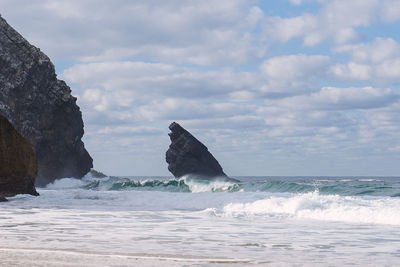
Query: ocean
(153, 221)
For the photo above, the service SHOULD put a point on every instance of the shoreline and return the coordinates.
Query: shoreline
(59, 257)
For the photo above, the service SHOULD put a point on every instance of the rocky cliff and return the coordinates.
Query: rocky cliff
(187, 155)
(41, 108)
(18, 167)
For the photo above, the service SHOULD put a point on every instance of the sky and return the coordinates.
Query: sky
(276, 87)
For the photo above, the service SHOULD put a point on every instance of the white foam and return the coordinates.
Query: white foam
(66, 183)
(323, 207)
(199, 186)
(368, 180)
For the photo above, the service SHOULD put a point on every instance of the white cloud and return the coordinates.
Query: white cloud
(352, 71)
(185, 109)
(336, 22)
(293, 73)
(375, 52)
(334, 118)
(294, 67)
(377, 62)
(343, 99)
(129, 130)
(139, 82)
(242, 96)
(300, 2)
(390, 11)
(196, 32)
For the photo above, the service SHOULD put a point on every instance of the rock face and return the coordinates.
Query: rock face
(41, 108)
(18, 167)
(187, 155)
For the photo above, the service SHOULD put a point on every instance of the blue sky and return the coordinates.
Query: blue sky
(296, 87)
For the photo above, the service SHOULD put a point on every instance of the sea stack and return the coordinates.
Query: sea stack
(41, 108)
(188, 156)
(18, 167)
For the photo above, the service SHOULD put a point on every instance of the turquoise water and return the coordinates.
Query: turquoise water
(344, 186)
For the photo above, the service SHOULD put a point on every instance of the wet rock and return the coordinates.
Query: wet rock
(18, 167)
(188, 156)
(41, 108)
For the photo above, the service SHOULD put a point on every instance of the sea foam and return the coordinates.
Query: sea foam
(66, 183)
(198, 186)
(348, 209)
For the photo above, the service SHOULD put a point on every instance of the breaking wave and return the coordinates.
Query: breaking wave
(350, 209)
(184, 184)
(347, 187)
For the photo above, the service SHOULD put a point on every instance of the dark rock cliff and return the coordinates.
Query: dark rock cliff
(41, 108)
(187, 155)
(18, 167)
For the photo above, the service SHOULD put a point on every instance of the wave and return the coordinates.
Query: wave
(186, 184)
(353, 201)
(315, 206)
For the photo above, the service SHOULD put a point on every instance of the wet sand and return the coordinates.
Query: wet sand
(39, 257)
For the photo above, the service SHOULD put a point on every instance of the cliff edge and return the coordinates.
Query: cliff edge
(41, 108)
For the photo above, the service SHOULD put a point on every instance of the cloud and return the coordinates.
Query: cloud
(130, 130)
(300, 2)
(343, 120)
(377, 62)
(332, 98)
(127, 83)
(352, 71)
(293, 73)
(184, 32)
(376, 52)
(185, 109)
(390, 11)
(293, 67)
(337, 21)
(139, 92)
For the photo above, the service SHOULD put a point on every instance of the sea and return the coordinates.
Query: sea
(163, 221)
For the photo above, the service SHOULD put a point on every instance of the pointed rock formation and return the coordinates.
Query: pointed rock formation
(18, 167)
(187, 155)
(41, 108)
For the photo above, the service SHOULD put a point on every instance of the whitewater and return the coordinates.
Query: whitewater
(153, 221)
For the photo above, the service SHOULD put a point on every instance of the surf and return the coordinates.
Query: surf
(348, 209)
(188, 184)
